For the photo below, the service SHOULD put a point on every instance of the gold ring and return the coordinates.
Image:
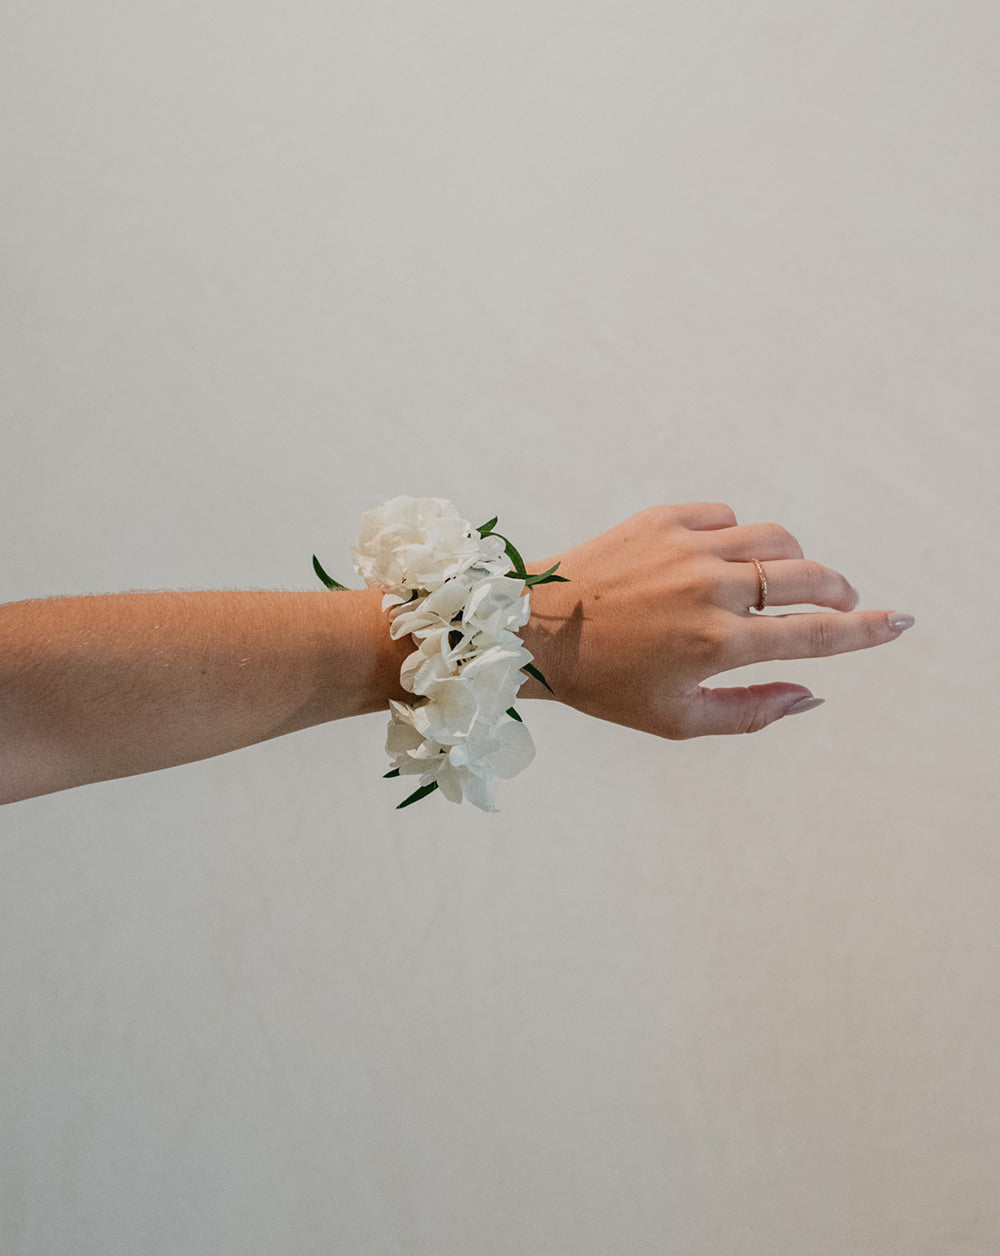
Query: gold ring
(762, 582)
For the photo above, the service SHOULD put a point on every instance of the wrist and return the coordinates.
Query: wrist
(546, 635)
(390, 655)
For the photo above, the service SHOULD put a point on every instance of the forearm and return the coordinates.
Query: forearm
(94, 688)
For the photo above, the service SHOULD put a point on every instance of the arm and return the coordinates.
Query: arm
(94, 688)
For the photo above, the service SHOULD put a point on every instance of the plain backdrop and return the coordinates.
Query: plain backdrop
(263, 266)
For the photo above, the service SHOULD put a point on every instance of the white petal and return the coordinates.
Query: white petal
(426, 668)
(408, 750)
(447, 601)
(516, 750)
(450, 783)
(477, 791)
(451, 716)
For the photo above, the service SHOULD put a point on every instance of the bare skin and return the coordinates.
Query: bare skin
(660, 603)
(95, 688)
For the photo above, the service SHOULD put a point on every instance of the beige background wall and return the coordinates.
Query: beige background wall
(262, 266)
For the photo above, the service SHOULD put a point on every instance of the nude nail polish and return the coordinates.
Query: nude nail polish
(804, 704)
(899, 621)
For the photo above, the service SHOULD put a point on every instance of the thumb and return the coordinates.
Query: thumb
(746, 710)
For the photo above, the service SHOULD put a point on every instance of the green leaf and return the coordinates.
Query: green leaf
(546, 577)
(514, 715)
(514, 556)
(532, 670)
(394, 772)
(417, 794)
(485, 529)
(327, 580)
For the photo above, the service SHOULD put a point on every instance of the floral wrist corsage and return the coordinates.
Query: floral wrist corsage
(446, 584)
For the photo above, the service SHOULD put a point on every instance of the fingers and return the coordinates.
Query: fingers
(704, 516)
(791, 582)
(814, 634)
(748, 710)
(755, 540)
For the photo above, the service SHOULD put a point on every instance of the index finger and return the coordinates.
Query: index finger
(817, 634)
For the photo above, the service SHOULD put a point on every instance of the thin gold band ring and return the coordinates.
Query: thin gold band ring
(762, 582)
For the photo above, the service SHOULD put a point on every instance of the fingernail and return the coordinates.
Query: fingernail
(804, 704)
(899, 622)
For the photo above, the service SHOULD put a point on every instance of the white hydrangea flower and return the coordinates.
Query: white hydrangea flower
(431, 613)
(487, 611)
(409, 751)
(449, 589)
(463, 770)
(497, 604)
(450, 715)
(502, 751)
(433, 662)
(473, 680)
(495, 672)
(417, 543)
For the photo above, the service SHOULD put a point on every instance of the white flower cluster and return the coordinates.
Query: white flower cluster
(447, 587)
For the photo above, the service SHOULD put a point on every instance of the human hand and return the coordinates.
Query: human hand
(660, 603)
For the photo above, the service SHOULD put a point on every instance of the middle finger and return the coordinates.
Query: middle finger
(753, 540)
(790, 582)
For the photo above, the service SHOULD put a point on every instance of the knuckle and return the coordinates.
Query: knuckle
(815, 580)
(785, 542)
(822, 637)
(678, 725)
(724, 510)
(709, 581)
(712, 641)
(788, 541)
(753, 720)
(873, 629)
(655, 518)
